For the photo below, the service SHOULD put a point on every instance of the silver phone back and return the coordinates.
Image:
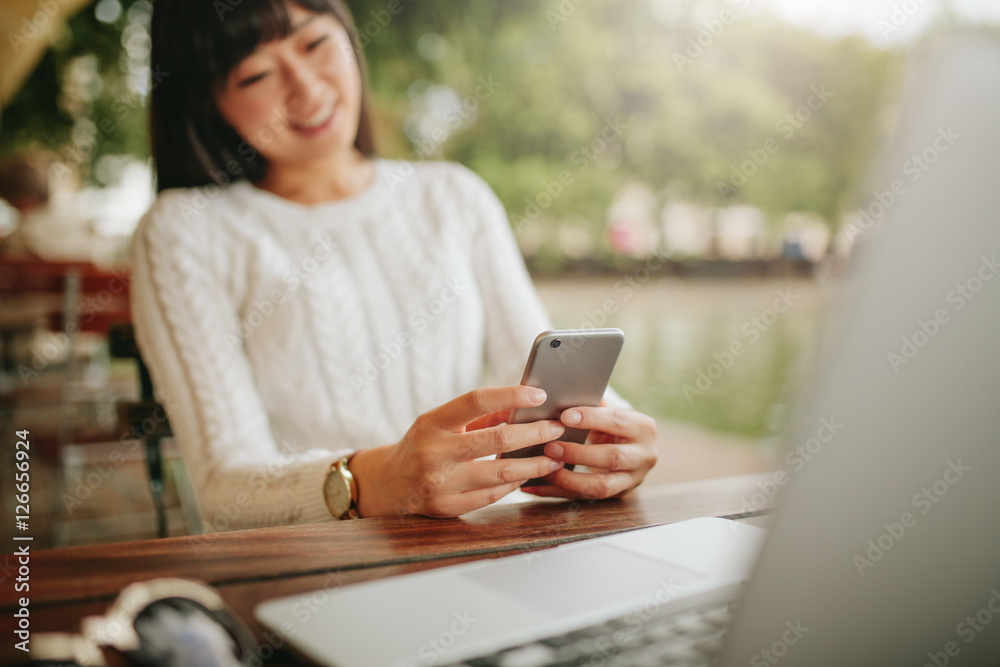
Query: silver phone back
(573, 366)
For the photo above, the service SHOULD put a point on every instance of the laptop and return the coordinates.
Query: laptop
(886, 547)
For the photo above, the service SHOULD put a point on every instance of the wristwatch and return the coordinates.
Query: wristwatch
(341, 491)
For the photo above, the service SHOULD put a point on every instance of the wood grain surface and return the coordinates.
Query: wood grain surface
(250, 566)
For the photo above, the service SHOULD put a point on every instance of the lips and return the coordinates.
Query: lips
(315, 120)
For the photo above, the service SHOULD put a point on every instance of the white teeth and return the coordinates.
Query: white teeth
(316, 120)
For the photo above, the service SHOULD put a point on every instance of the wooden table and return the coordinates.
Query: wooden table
(250, 566)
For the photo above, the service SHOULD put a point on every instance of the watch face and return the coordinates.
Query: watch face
(338, 493)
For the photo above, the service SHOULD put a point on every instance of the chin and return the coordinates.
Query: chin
(309, 150)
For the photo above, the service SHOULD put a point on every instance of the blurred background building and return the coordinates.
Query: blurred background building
(690, 171)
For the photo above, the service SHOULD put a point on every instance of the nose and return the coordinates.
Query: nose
(305, 85)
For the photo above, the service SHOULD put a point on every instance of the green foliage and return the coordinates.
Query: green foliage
(34, 115)
(689, 125)
(688, 122)
(39, 115)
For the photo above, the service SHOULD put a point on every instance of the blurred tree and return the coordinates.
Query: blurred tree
(692, 115)
(555, 104)
(87, 97)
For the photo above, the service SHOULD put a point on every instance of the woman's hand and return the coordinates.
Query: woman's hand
(622, 450)
(433, 471)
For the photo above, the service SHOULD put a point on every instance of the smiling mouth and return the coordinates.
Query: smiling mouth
(316, 120)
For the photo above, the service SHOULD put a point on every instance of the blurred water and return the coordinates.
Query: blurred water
(679, 362)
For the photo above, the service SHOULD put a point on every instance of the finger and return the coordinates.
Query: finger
(458, 413)
(591, 484)
(476, 498)
(613, 458)
(629, 424)
(511, 437)
(498, 472)
(551, 491)
(494, 419)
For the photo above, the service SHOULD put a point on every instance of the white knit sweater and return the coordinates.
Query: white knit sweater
(281, 336)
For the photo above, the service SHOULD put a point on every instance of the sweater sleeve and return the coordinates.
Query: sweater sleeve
(515, 314)
(184, 319)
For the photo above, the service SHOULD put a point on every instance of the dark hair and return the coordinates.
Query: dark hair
(196, 44)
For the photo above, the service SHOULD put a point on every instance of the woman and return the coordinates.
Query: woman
(309, 312)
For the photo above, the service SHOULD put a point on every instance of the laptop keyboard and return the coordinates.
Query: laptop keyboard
(692, 638)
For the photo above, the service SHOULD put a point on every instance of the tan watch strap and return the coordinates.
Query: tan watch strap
(352, 511)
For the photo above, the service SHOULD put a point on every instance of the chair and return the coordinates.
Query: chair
(147, 421)
(71, 298)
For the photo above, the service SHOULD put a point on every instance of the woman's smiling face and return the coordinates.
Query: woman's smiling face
(297, 98)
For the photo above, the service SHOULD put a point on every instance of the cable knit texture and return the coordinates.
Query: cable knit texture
(281, 337)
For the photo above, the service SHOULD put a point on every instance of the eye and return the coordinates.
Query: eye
(316, 42)
(250, 80)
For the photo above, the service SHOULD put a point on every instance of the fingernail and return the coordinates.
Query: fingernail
(571, 417)
(556, 429)
(536, 395)
(555, 465)
(554, 450)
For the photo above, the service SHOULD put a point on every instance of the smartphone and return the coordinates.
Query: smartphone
(574, 367)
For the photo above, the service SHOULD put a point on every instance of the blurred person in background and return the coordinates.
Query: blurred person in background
(49, 228)
(310, 312)
(24, 184)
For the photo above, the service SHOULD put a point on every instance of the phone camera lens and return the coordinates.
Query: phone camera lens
(556, 343)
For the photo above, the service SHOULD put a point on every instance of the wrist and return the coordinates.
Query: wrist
(368, 467)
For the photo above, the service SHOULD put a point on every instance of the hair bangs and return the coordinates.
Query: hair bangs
(238, 34)
(248, 25)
